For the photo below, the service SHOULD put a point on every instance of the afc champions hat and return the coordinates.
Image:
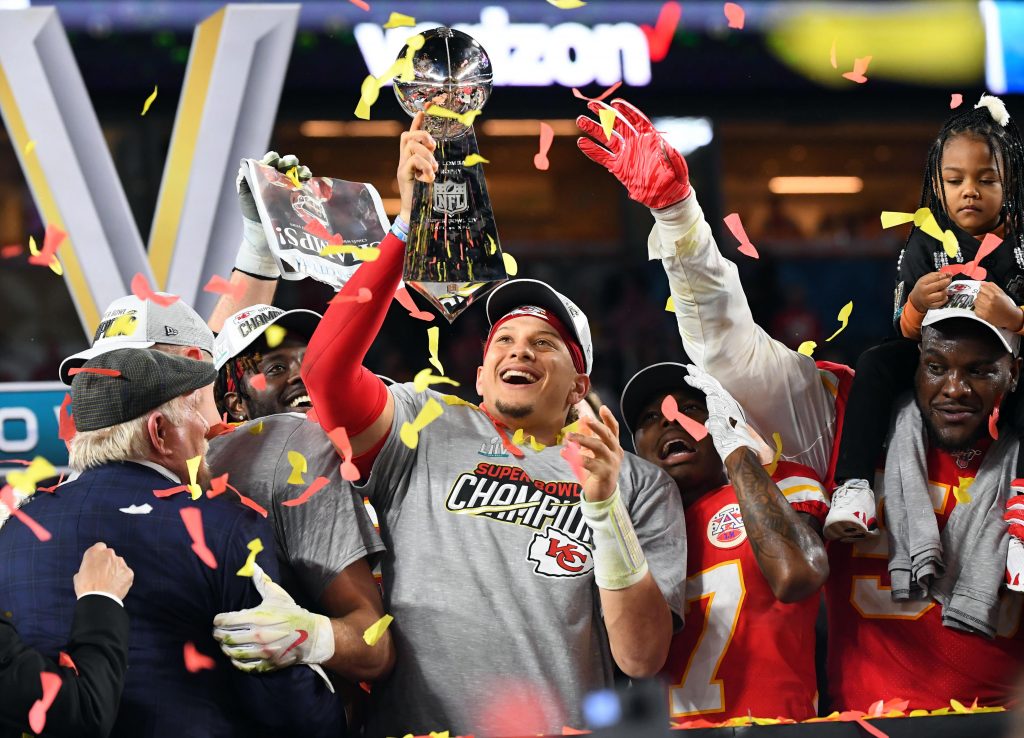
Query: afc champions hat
(248, 324)
(961, 297)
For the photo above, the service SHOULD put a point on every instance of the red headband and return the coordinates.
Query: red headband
(532, 311)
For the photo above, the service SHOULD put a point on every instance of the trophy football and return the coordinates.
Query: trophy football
(453, 256)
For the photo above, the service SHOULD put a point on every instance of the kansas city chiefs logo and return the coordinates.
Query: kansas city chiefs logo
(557, 554)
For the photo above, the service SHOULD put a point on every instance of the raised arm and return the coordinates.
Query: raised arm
(344, 392)
(782, 388)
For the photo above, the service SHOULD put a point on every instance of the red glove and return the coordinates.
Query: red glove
(1014, 515)
(653, 172)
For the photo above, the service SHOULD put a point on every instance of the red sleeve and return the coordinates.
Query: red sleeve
(802, 489)
(343, 391)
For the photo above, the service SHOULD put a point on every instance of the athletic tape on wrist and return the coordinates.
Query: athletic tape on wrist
(400, 228)
(619, 560)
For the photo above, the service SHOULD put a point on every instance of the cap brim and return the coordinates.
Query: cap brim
(517, 292)
(75, 361)
(936, 315)
(303, 322)
(648, 383)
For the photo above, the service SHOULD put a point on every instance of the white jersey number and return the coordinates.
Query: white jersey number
(699, 691)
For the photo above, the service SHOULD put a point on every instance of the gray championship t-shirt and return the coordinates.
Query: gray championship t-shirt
(317, 539)
(489, 576)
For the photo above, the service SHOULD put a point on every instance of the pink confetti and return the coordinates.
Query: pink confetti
(316, 228)
(193, 519)
(94, 370)
(670, 411)
(218, 486)
(142, 290)
(871, 729)
(65, 424)
(7, 499)
(734, 15)
(955, 100)
(195, 661)
(860, 66)
(361, 4)
(249, 502)
(732, 220)
(599, 98)
(571, 453)
(170, 491)
(12, 250)
(405, 300)
(339, 437)
(37, 715)
(258, 382)
(51, 242)
(547, 135)
(318, 484)
(66, 661)
(219, 285)
(364, 295)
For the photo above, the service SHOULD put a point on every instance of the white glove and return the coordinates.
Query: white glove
(254, 254)
(275, 634)
(726, 422)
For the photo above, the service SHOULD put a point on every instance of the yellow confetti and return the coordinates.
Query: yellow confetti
(433, 334)
(425, 378)
(510, 264)
(123, 325)
(399, 20)
(410, 432)
(363, 253)
(442, 734)
(807, 348)
(844, 318)
(369, 92)
(254, 546)
(30, 147)
(193, 468)
(955, 704)
(298, 462)
(918, 713)
(960, 492)
(493, 245)
(567, 4)
(149, 101)
(891, 218)
(293, 175)
(26, 481)
(274, 335)
(778, 454)
(257, 429)
(924, 220)
(607, 116)
(474, 159)
(670, 305)
(55, 265)
(372, 634)
(455, 401)
(465, 119)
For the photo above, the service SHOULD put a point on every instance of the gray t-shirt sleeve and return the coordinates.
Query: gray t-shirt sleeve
(391, 469)
(656, 511)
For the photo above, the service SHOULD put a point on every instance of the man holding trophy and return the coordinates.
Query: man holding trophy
(518, 581)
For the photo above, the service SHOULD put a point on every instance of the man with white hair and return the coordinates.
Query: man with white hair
(139, 446)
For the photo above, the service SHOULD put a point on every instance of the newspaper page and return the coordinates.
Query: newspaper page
(323, 228)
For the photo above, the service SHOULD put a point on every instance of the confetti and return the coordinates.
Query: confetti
(399, 20)
(293, 177)
(257, 428)
(52, 240)
(254, 546)
(193, 469)
(7, 499)
(195, 661)
(571, 453)
(972, 268)
(30, 147)
(36, 471)
(339, 437)
(248, 502)
(149, 100)
(363, 253)
(465, 119)
(368, 93)
(732, 220)
(890, 218)
(373, 634)
(65, 423)
(410, 432)
(192, 517)
(540, 159)
(844, 318)
(65, 660)
(567, 4)
(832, 56)
(735, 15)
(607, 116)
(670, 411)
(405, 300)
(492, 245)
(670, 305)
(142, 290)
(220, 286)
(424, 378)
(474, 159)
(298, 464)
(170, 491)
(599, 98)
(659, 38)
(37, 715)
(433, 334)
(510, 264)
(258, 382)
(274, 335)
(11, 250)
(94, 370)
(955, 100)
(364, 295)
(960, 492)
(361, 4)
(144, 509)
(860, 66)
(318, 484)
(993, 423)
(777, 455)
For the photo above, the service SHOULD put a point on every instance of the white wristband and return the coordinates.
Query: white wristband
(619, 560)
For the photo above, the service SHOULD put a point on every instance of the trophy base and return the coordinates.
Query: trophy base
(451, 298)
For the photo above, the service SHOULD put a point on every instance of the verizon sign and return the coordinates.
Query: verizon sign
(532, 54)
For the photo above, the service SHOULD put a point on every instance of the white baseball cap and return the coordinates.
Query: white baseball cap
(129, 322)
(516, 293)
(961, 296)
(248, 324)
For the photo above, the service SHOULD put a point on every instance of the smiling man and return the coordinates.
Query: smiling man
(921, 612)
(756, 560)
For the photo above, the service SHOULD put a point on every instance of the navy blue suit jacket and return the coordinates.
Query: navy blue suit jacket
(173, 601)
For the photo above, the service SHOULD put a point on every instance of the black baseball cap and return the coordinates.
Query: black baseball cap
(656, 380)
(145, 380)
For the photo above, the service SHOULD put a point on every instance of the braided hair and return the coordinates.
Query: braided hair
(231, 377)
(989, 122)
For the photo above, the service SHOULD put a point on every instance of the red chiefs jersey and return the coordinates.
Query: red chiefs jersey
(838, 379)
(742, 651)
(880, 649)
